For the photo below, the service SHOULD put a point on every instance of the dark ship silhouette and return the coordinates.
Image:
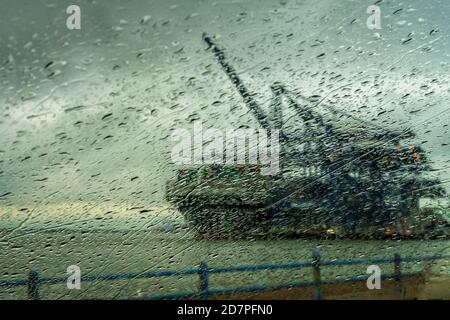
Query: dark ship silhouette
(341, 177)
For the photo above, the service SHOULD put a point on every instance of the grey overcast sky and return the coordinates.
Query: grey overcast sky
(87, 114)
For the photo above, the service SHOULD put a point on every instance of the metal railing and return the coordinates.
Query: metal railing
(35, 280)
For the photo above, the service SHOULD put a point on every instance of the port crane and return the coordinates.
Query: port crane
(353, 176)
(328, 153)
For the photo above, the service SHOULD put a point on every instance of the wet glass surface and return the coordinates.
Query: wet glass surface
(147, 136)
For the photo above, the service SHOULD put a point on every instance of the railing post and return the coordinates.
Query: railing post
(33, 285)
(316, 275)
(203, 275)
(398, 273)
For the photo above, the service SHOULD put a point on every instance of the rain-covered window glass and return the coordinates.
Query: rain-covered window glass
(149, 147)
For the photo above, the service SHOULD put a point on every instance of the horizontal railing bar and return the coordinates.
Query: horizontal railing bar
(13, 283)
(268, 266)
(124, 276)
(322, 262)
(153, 274)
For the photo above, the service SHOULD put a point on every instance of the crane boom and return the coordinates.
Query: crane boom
(259, 114)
